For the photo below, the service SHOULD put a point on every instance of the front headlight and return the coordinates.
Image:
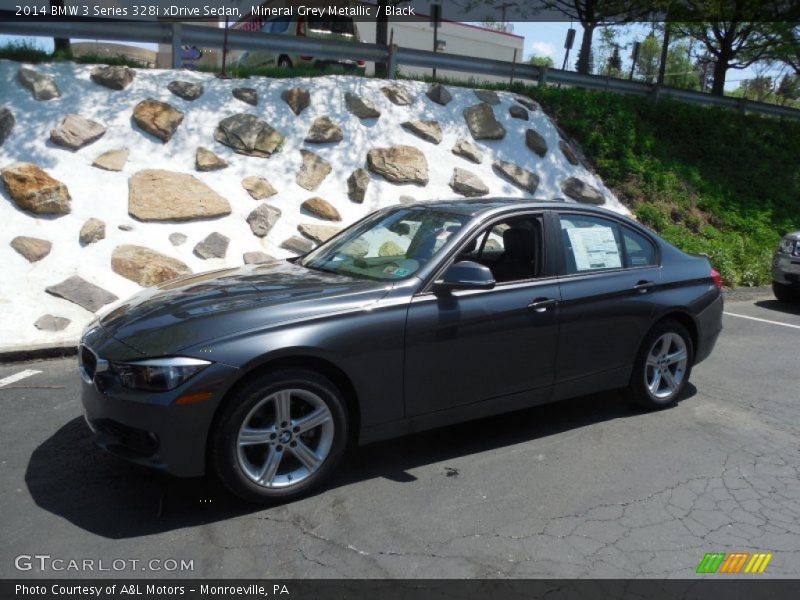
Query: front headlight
(789, 246)
(157, 374)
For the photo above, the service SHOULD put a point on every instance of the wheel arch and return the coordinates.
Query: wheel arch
(311, 362)
(685, 319)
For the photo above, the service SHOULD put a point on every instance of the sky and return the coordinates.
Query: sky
(541, 39)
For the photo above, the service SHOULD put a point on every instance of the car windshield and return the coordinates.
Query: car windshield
(387, 246)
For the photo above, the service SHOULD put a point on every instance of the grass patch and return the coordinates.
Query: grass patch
(28, 52)
(710, 180)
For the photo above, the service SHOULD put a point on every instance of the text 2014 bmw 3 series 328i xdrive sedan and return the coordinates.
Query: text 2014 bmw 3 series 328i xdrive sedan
(415, 317)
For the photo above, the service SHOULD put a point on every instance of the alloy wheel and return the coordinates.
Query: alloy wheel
(285, 438)
(665, 368)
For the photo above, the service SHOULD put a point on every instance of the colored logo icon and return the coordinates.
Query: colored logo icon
(735, 562)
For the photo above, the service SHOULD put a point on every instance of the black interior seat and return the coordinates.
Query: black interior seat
(517, 261)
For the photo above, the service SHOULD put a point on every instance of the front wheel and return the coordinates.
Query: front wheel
(662, 367)
(785, 293)
(279, 436)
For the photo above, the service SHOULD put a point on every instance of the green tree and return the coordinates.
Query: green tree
(649, 58)
(613, 66)
(680, 71)
(789, 88)
(745, 32)
(541, 61)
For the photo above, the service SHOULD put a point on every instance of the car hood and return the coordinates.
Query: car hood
(199, 308)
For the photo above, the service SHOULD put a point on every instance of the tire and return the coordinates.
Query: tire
(284, 62)
(262, 455)
(785, 293)
(649, 387)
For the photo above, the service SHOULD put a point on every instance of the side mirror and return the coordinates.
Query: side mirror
(464, 275)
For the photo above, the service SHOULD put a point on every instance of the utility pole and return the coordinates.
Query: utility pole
(436, 17)
(662, 67)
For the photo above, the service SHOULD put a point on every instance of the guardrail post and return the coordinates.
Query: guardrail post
(656, 92)
(542, 76)
(391, 62)
(176, 45)
(743, 106)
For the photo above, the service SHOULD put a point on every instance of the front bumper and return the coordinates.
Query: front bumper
(786, 270)
(149, 428)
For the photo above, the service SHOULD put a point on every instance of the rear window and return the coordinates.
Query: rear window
(342, 25)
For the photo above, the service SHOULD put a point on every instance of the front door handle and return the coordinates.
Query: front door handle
(540, 305)
(644, 286)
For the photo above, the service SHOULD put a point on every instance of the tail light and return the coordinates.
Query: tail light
(301, 27)
(361, 63)
(716, 278)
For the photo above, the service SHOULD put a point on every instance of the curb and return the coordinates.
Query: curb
(38, 352)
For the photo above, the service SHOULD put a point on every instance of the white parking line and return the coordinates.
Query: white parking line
(17, 376)
(762, 320)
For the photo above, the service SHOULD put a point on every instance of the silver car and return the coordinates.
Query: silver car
(786, 269)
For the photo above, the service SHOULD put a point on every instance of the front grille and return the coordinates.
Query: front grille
(88, 361)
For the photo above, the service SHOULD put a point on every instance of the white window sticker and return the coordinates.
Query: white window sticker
(594, 248)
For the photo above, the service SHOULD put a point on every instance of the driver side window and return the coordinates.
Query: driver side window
(512, 249)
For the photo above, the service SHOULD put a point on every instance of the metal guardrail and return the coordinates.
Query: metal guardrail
(178, 34)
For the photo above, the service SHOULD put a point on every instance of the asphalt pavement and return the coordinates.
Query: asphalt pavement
(583, 488)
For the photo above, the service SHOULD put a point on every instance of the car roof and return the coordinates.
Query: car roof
(481, 206)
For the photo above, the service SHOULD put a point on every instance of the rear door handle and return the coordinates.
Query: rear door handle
(644, 286)
(542, 304)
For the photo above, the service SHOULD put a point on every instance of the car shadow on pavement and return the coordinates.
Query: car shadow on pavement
(784, 307)
(107, 496)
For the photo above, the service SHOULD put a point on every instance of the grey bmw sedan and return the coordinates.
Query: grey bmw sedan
(415, 317)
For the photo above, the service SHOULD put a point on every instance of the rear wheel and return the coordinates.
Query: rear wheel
(284, 62)
(785, 293)
(663, 366)
(280, 436)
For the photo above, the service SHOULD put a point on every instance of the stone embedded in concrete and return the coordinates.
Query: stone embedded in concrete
(439, 94)
(318, 233)
(324, 131)
(258, 187)
(522, 178)
(579, 190)
(93, 230)
(535, 142)
(297, 245)
(357, 185)
(33, 249)
(74, 132)
(51, 323)
(313, 170)
(363, 109)
(298, 99)
(399, 164)
(43, 87)
(112, 160)
(157, 118)
(321, 208)
(247, 134)
(430, 131)
(33, 190)
(263, 218)
(467, 183)
(146, 266)
(468, 150)
(77, 290)
(258, 258)
(206, 160)
(482, 123)
(214, 245)
(115, 77)
(187, 90)
(248, 95)
(159, 195)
